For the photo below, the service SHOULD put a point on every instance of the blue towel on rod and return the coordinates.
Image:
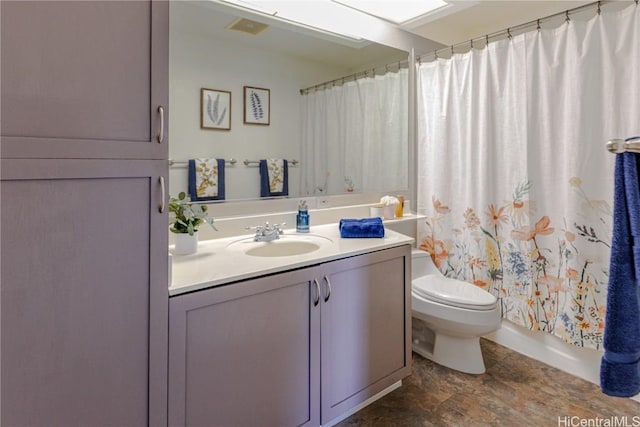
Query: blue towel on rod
(620, 367)
(361, 228)
(270, 178)
(199, 180)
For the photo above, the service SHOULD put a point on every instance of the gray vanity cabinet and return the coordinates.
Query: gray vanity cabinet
(245, 354)
(297, 348)
(365, 327)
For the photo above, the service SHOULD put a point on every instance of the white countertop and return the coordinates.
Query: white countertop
(223, 261)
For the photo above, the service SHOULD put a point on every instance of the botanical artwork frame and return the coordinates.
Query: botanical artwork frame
(215, 109)
(257, 106)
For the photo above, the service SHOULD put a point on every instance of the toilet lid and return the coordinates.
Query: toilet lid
(453, 292)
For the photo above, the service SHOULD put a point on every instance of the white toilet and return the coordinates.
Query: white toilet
(455, 313)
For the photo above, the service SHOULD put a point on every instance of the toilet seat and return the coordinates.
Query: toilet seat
(455, 293)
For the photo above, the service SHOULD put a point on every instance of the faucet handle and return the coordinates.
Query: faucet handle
(267, 228)
(257, 228)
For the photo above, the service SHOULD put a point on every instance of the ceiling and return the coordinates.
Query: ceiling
(210, 20)
(475, 19)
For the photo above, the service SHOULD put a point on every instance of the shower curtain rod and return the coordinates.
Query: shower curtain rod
(509, 32)
(356, 76)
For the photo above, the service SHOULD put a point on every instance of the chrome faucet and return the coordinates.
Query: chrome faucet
(266, 232)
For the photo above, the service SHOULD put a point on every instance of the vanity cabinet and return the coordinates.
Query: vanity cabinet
(365, 325)
(246, 354)
(296, 348)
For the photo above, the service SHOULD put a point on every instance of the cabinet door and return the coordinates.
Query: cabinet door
(83, 297)
(84, 79)
(244, 354)
(365, 327)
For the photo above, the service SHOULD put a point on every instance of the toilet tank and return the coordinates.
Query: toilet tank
(421, 263)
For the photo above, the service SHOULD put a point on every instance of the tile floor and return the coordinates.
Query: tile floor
(515, 391)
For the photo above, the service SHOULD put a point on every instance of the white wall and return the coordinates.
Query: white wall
(196, 62)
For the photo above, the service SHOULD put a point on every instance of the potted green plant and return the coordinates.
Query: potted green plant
(187, 217)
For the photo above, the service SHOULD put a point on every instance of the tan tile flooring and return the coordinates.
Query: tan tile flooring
(515, 391)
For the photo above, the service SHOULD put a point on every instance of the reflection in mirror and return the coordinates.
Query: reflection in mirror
(204, 53)
(355, 135)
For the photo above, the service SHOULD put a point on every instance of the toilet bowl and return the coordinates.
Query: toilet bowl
(456, 314)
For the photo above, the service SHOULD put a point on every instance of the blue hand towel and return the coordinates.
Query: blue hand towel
(274, 177)
(620, 367)
(361, 228)
(206, 182)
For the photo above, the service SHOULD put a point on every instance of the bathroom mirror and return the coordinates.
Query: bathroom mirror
(206, 53)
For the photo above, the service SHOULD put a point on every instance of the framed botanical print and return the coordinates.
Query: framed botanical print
(257, 104)
(215, 109)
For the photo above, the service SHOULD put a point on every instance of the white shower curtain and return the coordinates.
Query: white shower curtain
(355, 136)
(513, 175)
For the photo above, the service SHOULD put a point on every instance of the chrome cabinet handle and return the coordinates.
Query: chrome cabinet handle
(316, 300)
(326, 298)
(161, 205)
(161, 131)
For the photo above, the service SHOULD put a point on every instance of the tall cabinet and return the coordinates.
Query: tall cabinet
(83, 277)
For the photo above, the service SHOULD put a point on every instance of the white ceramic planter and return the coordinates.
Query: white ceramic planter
(376, 211)
(389, 212)
(185, 244)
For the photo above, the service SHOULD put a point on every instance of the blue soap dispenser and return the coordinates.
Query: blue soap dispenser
(302, 219)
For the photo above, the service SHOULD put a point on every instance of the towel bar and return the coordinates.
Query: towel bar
(185, 163)
(618, 146)
(257, 162)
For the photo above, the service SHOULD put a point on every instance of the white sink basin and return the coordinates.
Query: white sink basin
(286, 245)
(283, 248)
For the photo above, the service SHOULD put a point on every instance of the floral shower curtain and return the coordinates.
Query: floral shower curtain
(350, 130)
(513, 175)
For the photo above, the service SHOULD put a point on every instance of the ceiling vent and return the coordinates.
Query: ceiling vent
(247, 26)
